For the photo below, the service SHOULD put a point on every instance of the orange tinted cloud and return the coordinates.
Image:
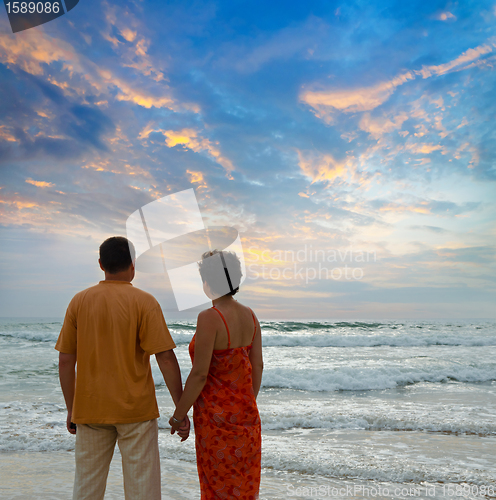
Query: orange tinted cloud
(420, 208)
(382, 125)
(119, 167)
(30, 49)
(468, 56)
(141, 97)
(322, 167)
(134, 53)
(444, 16)
(41, 184)
(196, 178)
(424, 149)
(189, 138)
(20, 204)
(6, 135)
(325, 103)
(277, 291)
(128, 34)
(140, 60)
(470, 148)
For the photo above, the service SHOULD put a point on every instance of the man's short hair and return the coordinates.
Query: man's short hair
(116, 254)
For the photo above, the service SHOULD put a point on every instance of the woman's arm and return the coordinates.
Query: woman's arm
(204, 345)
(256, 359)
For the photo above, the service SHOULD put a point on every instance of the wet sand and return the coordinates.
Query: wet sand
(50, 475)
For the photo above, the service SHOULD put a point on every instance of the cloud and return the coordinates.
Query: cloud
(397, 208)
(6, 134)
(122, 167)
(376, 127)
(423, 206)
(301, 40)
(465, 253)
(65, 132)
(322, 167)
(128, 34)
(470, 148)
(189, 138)
(197, 178)
(445, 16)
(139, 60)
(423, 149)
(325, 168)
(433, 229)
(460, 63)
(326, 103)
(20, 203)
(16, 209)
(41, 184)
(133, 54)
(140, 97)
(31, 50)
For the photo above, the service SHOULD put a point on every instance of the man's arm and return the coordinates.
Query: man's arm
(169, 367)
(67, 377)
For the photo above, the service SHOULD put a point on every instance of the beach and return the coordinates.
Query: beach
(49, 475)
(391, 409)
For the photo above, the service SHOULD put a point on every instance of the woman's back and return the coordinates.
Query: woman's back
(235, 325)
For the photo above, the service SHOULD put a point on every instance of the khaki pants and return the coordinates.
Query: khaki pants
(138, 443)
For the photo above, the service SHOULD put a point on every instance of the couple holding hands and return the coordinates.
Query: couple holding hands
(110, 331)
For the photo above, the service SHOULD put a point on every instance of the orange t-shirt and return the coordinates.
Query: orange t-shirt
(113, 328)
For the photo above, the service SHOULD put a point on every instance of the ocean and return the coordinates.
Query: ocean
(350, 409)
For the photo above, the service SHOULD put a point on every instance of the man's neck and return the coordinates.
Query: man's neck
(123, 276)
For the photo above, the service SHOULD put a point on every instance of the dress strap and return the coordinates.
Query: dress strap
(227, 328)
(255, 326)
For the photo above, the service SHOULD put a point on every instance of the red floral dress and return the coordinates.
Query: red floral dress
(227, 426)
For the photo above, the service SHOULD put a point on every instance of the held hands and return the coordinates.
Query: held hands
(182, 428)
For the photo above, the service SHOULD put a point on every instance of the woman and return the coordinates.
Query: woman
(222, 387)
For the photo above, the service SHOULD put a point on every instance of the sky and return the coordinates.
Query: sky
(351, 145)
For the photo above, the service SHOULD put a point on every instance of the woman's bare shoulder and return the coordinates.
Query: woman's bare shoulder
(207, 322)
(246, 308)
(247, 312)
(207, 315)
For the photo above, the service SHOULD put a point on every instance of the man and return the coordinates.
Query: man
(110, 330)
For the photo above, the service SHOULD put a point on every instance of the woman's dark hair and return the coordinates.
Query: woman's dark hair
(116, 254)
(219, 276)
